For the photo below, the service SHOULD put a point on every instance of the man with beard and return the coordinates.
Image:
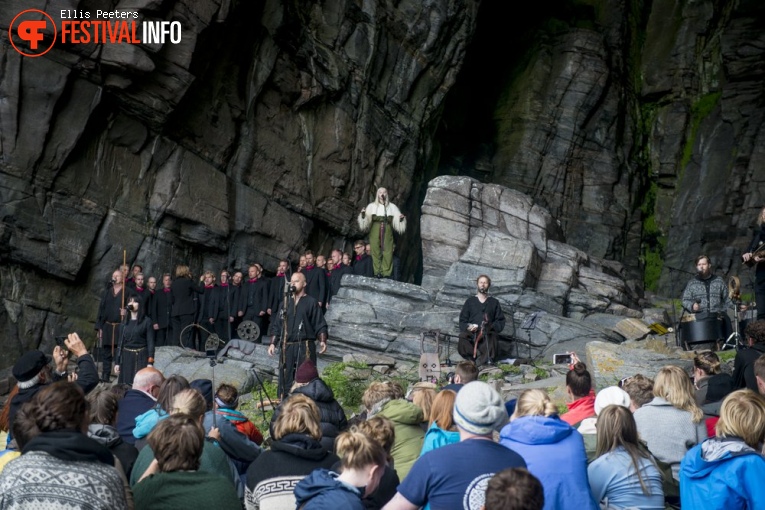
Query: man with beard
(706, 295)
(255, 297)
(141, 292)
(362, 263)
(276, 288)
(316, 280)
(338, 270)
(481, 319)
(161, 305)
(380, 218)
(110, 314)
(305, 325)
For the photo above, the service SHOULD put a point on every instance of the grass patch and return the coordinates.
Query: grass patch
(347, 391)
(726, 356)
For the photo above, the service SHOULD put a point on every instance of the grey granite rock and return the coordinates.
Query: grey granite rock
(610, 363)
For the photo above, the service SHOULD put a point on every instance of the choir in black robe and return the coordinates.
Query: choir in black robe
(316, 284)
(206, 312)
(490, 320)
(276, 292)
(362, 265)
(255, 301)
(305, 323)
(161, 306)
(184, 294)
(224, 305)
(336, 277)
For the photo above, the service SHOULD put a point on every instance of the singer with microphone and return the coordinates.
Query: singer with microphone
(706, 296)
(481, 319)
(297, 329)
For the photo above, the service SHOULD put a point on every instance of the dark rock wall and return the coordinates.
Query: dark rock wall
(637, 124)
(261, 135)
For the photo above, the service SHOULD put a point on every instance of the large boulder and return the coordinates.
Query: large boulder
(610, 363)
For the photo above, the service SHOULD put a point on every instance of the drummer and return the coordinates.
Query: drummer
(707, 295)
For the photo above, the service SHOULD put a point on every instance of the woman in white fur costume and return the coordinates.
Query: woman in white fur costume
(379, 218)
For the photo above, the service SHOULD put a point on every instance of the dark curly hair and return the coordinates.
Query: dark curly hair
(756, 331)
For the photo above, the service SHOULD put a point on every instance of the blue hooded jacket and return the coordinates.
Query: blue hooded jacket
(321, 489)
(722, 473)
(554, 453)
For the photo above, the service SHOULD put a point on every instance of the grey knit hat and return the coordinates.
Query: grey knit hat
(479, 409)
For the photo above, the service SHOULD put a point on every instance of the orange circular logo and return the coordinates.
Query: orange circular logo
(28, 27)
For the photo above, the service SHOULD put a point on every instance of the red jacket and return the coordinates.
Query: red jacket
(580, 409)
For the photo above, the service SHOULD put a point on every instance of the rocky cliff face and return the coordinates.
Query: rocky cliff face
(258, 136)
(637, 125)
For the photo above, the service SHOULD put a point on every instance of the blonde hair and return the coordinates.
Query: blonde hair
(534, 403)
(299, 415)
(742, 415)
(617, 428)
(673, 385)
(190, 402)
(379, 391)
(357, 450)
(441, 412)
(209, 273)
(182, 272)
(423, 398)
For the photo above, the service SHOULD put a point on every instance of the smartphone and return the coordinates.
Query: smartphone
(562, 359)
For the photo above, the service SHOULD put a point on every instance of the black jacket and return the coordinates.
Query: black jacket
(363, 266)
(87, 379)
(333, 420)
(184, 294)
(743, 367)
(316, 284)
(161, 305)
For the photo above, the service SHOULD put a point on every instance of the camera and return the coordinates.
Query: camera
(60, 341)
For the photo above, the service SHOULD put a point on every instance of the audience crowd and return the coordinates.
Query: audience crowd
(675, 440)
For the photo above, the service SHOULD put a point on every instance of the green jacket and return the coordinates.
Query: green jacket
(406, 418)
(183, 490)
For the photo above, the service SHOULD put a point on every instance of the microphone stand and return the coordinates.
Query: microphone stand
(283, 354)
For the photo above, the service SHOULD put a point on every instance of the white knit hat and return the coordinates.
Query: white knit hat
(613, 395)
(479, 409)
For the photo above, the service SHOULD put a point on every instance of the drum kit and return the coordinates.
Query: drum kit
(701, 328)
